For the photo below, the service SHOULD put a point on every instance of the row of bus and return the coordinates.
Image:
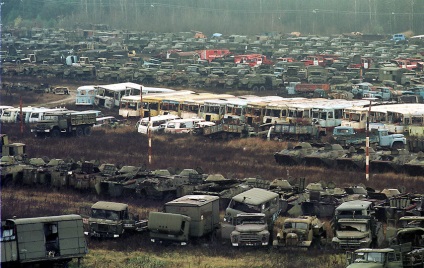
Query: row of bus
(254, 110)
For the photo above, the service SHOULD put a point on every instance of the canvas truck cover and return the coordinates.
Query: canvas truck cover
(203, 211)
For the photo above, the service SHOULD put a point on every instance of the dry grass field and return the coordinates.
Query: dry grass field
(238, 158)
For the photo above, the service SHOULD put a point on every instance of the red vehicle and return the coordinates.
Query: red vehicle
(211, 54)
(252, 59)
(314, 60)
(364, 63)
(286, 59)
(410, 64)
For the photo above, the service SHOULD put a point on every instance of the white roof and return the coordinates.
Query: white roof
(120, 86)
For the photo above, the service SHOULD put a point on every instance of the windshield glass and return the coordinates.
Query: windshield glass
(358, 227)
(296, 225)
(105, 214)
(369, 257)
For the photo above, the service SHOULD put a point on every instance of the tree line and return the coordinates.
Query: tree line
(322, 17)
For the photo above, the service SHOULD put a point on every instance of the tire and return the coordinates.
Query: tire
(79, 132)
(87, 131)
(55, 133)
(262, 88)
(255, 88)
(398, 145)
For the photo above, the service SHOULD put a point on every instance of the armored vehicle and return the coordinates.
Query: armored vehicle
(295, 155)
(391, 161)
(326, 156)
(190, 216)
(303, 231)
(415, 167)
(110, 220)
(45, 241)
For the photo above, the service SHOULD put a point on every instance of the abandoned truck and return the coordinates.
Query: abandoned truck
(185, 218)
(57, 123)
(43, 241)
(355, 226)
(303, 231)
(110, 220)
(346, 136)
(252, 201)
(401, 256)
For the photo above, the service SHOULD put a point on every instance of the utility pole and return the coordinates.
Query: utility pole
(367, 141)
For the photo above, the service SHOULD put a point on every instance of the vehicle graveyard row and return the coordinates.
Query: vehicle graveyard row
(335, 156)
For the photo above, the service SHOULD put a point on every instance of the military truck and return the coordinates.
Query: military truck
(346, 136)
(110, 220)
(255, 200)
(251, 229)
(303, 231)
(185, 218)
(355, 226)
(68, 122)
(401, 256)
(43, 241)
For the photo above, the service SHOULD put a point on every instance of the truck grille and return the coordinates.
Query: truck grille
(103, 227)
(249, 238)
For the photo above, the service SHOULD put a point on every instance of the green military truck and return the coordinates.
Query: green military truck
(190, 216)
(255, 200)
(401, 256)
(110, 220)
(43, 241)
(56, 123)
(355, 226)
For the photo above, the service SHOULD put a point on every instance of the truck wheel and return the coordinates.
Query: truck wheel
(87, 131)
(55, 133)
(79, 132)
(398, 145)
(255, 88)
(262, 88)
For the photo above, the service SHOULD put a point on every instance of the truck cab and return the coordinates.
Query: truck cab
(251, 229)
(366, 257)
(110, 220)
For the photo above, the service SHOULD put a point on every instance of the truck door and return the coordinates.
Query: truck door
(9, 247)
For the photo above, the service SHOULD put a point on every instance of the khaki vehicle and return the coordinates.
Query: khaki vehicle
(355, 226)
(251, 229)
(190, 216)
(401, 256)
(110, 220)
(69, 122)
(255, 200)
(43, 241)
(303, 231)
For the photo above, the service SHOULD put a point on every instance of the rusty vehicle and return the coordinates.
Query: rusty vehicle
(303, 231)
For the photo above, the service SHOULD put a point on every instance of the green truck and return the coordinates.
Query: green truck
(110, 220)
(43, 241)
(185, 218)
(257, 201)
(56, 123)
(401, 256)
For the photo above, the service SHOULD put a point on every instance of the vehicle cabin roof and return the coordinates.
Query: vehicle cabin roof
(110, 206)
(249, 215)
(305, 219)
(255, 196)
(45, 219)
(193, 200)
(354, 205)
(379, 250)
(120, 86)
(412, 218)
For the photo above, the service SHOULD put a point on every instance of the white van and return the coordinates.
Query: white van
(155, 122)
(182, 125)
